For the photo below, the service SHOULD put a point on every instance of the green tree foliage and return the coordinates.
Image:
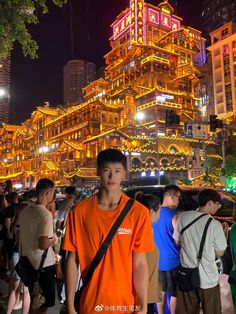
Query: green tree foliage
(230, 165)
(230, 160)
(15, 17)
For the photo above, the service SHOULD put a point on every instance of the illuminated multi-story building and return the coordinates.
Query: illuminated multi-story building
(223, 56)
(4, 89)
(77, 74)
(151, 68)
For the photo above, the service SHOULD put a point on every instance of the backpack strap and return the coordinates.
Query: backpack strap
(199, 257)
(191, 223)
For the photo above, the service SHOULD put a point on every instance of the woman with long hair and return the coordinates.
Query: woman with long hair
(152, 202)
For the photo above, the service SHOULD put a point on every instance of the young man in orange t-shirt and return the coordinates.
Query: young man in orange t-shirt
(120, 282)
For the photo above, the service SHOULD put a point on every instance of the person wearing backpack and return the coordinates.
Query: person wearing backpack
(207, 294)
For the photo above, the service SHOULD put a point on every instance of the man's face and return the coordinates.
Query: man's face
(213, 206)
(111, 176)
(50, 195)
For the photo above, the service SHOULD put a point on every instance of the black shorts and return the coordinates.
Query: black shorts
(47, 281)
(168, 280)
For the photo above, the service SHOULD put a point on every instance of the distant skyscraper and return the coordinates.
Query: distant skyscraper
(4, 89)
(77, 74)
(223, 57)
(216, 13)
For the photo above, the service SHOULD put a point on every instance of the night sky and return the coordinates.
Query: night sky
(35, 81)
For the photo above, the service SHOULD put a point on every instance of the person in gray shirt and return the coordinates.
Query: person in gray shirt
(208, 294)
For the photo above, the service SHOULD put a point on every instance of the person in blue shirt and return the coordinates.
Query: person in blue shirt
(169, 251)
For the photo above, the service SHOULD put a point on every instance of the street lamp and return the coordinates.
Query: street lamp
(2, 92)
(140, 116)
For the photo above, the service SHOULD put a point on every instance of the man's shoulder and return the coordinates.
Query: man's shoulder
(35, 210)
(84, 204)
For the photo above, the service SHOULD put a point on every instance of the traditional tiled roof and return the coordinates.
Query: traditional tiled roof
(11, 176)
(50, 165)
(82, 173)
(74, 144)
(10, 127)
(49, 111)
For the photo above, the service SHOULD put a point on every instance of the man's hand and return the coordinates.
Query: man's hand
(143, 311)
(71, 311)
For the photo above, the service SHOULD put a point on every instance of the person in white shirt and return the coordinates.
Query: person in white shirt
(36, 236)
(208, 294)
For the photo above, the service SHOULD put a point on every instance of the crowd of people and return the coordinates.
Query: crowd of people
(120, 256)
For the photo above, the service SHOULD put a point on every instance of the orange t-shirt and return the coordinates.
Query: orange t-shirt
(111, 286)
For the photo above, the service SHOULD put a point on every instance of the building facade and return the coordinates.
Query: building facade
(216, 13)
(77, 74)
(5, 67)
(150, 69)
(223, 57)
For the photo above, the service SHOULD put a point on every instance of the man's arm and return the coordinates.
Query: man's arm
(174, 220)
(219, 253)
(71, 278)
(45, 242)
(8, 222)
(220, 243)
(140, 278)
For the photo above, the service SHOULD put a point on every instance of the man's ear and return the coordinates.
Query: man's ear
(151, 211)
(209, 203)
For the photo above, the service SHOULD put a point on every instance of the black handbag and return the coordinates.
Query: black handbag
(27, 273)
(102, 250)
(189, 278)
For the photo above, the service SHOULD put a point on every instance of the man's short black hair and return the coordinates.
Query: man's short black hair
(30, 194)
(43, 185)
(170, 189)
(207, 195)
(12, 197)
(70, 190)
(111, 155)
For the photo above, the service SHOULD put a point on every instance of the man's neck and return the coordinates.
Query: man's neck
(108, 200)
(41, 201)
(203, 210)
(166, 204)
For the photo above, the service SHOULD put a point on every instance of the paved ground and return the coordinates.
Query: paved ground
(3, 291)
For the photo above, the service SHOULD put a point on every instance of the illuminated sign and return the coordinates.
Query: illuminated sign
(121, 26)
(175, 24)
(163, 19)
(225, 50)
(154, 16)
(132, 20)
(164, 97)
(136, 9)
(195, 36)
(165, 10)
(139, 21)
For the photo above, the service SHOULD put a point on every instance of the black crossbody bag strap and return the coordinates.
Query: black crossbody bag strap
(199, 257)
(43, 257)
(191, 223)
(103, 248)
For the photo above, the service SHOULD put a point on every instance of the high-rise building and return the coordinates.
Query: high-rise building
(77, 74)
(216, 13)
(4, 89)
(223, 57)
